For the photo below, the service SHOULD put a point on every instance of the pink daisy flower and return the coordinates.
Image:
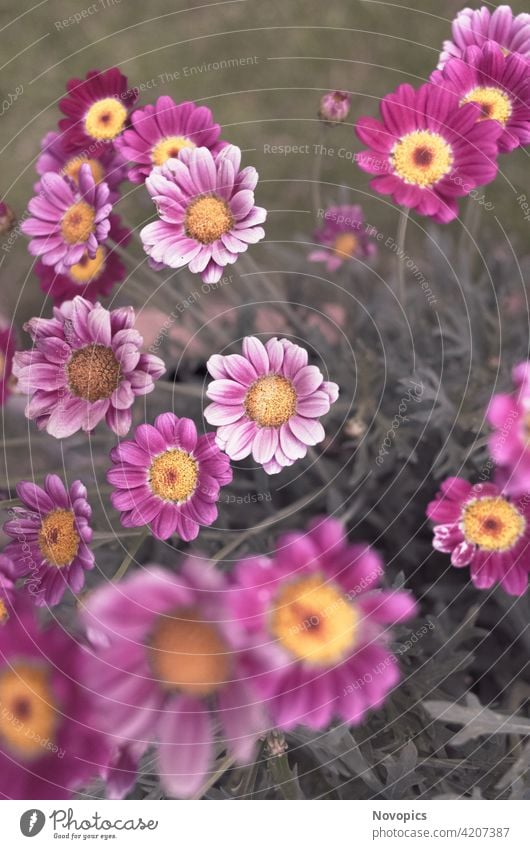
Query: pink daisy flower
(427, 152)
(66, 221)
(335, 107)
(206, 211)
(498, 84)
(481, 527)
(7, 587)
(344, 236)
(268, 402)
(319, 625)
(106, 165)
(160, 132)
(90, 278)
(478, 26)
(48, 749)
(509, 415)
(168, 477)
(170, 665)
(50, 535)
(97, 110)
(7, 350)
(86, 365)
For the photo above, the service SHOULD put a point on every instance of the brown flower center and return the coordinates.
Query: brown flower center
(93, 373)
(207, 219)
(271, 401)
(58, 538)
(189, 655)
(173, 475)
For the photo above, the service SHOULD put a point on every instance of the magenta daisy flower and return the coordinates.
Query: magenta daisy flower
(319, 625)
(206, 211)
(50, 535)
(107, 165)
(48, 749)
(498, 84)
(7, 587)
(509, 415)
(97, 109)
(169, 664)
(90, 278)
(168, 477)
(344, 236)
(334, 107)
(160, 132)
(427, 151)
(478, 26)
(86, 365)
(268, 402)
(481, 527)
(68, 222)
(7, 350)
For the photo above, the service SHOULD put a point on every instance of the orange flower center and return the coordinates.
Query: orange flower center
(189, 655)
(4, 613)
(207, 219)
(271, 401)
(72, 167)
(28, 714)
(88, 269)
(346, 244)
(173, 475)
(78, 223)
(58, 538)
(93, 373)
(492, 523)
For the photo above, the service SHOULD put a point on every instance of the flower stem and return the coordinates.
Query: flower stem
(281, 772)
(127, 560)
(400, 253)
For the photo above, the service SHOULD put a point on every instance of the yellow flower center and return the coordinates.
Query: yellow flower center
(93, 373)
(271, 401)
(189, 655)
(105, 119)
(88, 269)
(4, 613)
(492, 523)
(28, 714)
(494, 103)
(78, 223)
(314, 621)
(207, 218)
(71, 169)
(345, 245)
(173, 475)
(422, 158)
(2, 365)
(169, 148)
(58, 538)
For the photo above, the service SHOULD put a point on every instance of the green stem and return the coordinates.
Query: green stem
(400, 243)
(127, 560)
(223, 767)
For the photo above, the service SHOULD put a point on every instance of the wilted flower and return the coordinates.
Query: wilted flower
(428, 151)
(168, 477)
(7, 218)
(97, 110)
(207, 215)
(319, 625)
(478, 26)
(268, 402)
(90, 278)
(86, 365)
(499, 84)
(344, 235)
(160, 132)
(50, 535)
(481, 527)
(48, 748)
(170, 667)
(335, 107)
(68, 222)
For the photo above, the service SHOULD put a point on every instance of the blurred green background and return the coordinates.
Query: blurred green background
(277, 58)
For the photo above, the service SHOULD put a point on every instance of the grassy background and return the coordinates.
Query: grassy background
(302, 48)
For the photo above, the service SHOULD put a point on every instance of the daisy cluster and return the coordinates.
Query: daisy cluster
(197, 660)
